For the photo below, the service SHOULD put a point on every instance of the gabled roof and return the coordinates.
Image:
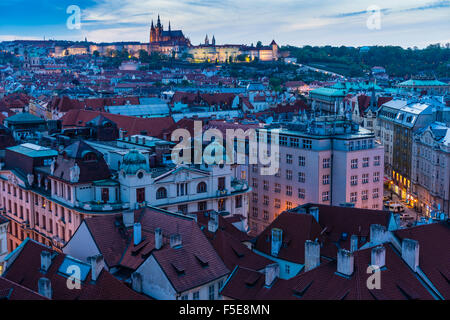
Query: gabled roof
(115, 243)
(13, 291)
(324, 283)
(24, 118)
(26, 270)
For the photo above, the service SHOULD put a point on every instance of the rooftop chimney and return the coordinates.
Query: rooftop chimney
(212, 226)
(97, 265)
(353, 243)
(137, 233)
(128, 218)
(378, 256)
(377, 233)
(158, 238)
(136, 282)
(345, 262)
(314, 211)
(271, 272)
(46, 260)
(175, 240)
(312, 255)
(410, 253)
(277, 238)
(45, 287)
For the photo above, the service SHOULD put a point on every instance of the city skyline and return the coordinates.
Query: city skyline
(408, 24)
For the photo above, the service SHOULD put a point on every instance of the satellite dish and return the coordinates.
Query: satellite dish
(269, 120)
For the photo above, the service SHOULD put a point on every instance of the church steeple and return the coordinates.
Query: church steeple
(169, 27)
(158, 25)
(153, 27)
(213, 41)
(206, 40)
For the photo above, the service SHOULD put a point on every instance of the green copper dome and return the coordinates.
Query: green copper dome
(133, 162)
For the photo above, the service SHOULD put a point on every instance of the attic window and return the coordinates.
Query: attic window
(252, 279)
(203, 262)
(300, 292)
(178, 269)
(90, 157)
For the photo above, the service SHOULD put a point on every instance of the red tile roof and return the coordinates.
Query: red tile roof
(434, 253)
(26, 270)
(13, 291)
(133, 125)
(116, 245)
(323, 283)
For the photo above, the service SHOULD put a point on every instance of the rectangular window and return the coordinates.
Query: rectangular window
(375, 193)
(266, 185)
(254, 183)
(211, 292)
(266, 215)
(288, 205)
(277, 188)
(307, 144)
(325, 196)
(238, 202)
(289, 174)
(196, 295)
(326, 179)
(365, 178)
(376, 161)
(301, 193)
(254, 197)
(365, 162)
(326, 163)
(301, 161)
(364, 195)
(354, 180)
(301, 177)
(288, 190)
(294, 142)
(255, 212)
(353, 196)
(201, 206)
(140, 195)
(289, 158)
(376, 176)
(266, 200)
(354, 163)
(277, 203)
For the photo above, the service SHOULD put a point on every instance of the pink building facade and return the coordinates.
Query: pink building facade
(328, 165)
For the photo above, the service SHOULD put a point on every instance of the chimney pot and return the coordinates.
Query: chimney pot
(410, 253)
(345, 262)
(354, 243)
(137, 233)
(45, 287)
(175, 240)
(271, 272)
(158, 238)
(97, 264)
(212, 226)
(378, 256)
(377, 233)
(312, 255)
(128, 218)
(136, 282)
(46, 260)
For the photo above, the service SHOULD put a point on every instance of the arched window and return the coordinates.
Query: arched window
(161, 193)
(201, 187)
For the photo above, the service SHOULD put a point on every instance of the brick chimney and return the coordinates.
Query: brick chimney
(354, 243)
(345, 262)
(128, 218)
(158, 238)
(136, 282)
(45, 287)
(271, 272)
(46, 260)
(312, 255)
(410, 253)
(378, 256)
(137, 233)
(97, 264)
(277, 240)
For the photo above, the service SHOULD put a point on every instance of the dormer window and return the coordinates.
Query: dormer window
(90, 157)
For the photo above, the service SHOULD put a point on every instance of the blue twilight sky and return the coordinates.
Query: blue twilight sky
(296, 22)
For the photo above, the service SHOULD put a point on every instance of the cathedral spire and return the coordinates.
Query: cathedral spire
(169, 26)
(213, 41)
(153, 27)
(206, 40)
(159, 22)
